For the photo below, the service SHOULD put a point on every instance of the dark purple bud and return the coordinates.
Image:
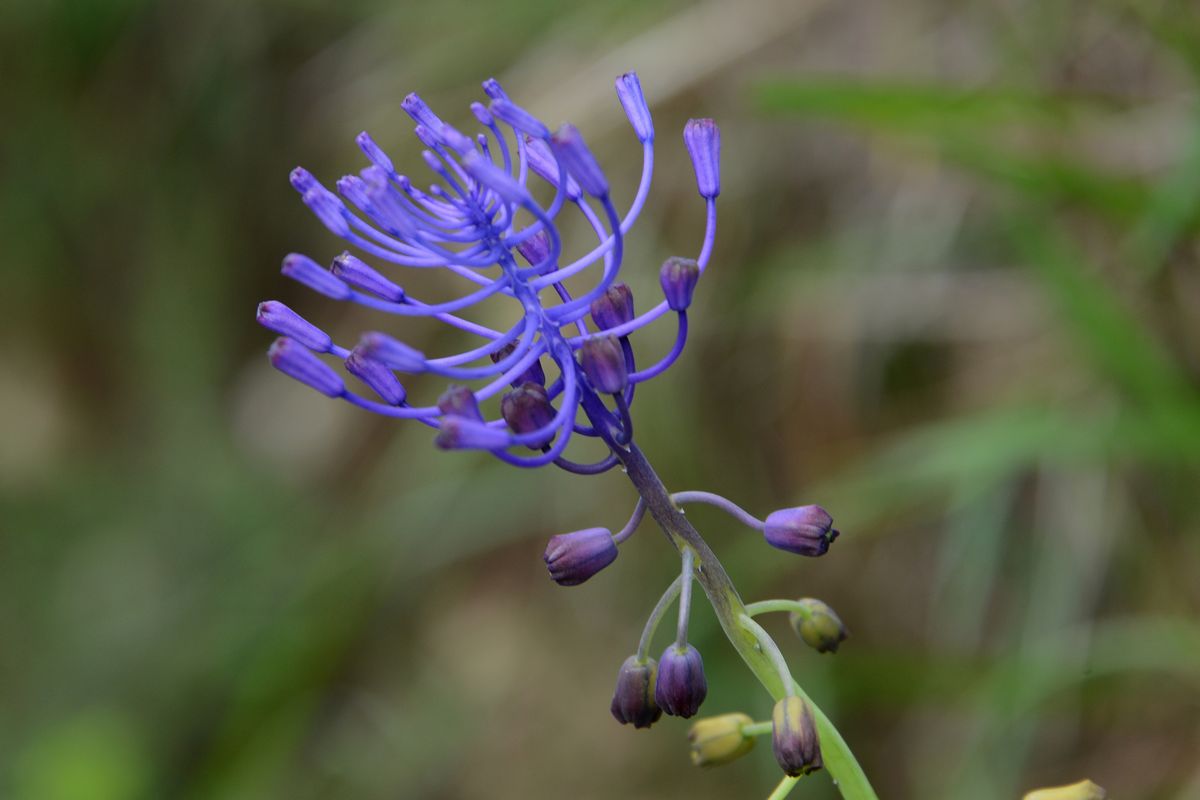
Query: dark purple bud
(633, 699)
(415, 107)
(296, 361)
(678, 277)
(613, 308)
(541, 161)
(572, 558)
(376, 375)
(492, 89)
(817, 625)
(681, 686)
(393, 352)
(355, 272)
(806, 530)
(519, 118)
(568, 144)
(629, 92)
(536, 248)
(275, 316)
(303, 269)
(460, 433)
(459, 401)
(703, 140)
(483, 170)
(604, 364)
(527, 409)
(535, 373)
(794, 737)
(374, 152)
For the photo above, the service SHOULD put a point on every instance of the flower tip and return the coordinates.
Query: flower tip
(303, 269)
(377, 376)
(681, 686)
(804, 530)
(373, 152)
(633, 699)
(302, 180)
(703, 140)
(355, 272)
(278, 318)
(629, 92)
(678, 278)
(297, 362)
(572, 558)
(491, 87)
(511, 113)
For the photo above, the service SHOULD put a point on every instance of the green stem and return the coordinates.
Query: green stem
(785, 787)
(767, 606)
(714, 580)
(758, 728)
(656, 616)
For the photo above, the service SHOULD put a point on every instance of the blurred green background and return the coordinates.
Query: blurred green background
(954, 299)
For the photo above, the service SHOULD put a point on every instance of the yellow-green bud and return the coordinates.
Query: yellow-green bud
(818, 626)
(719, 740)
(794, 737)
(1084, 790)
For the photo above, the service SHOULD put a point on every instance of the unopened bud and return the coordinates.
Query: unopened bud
(794, 737)
(568, 143)
(805, 530)
(604, 364)
(719, 740)
(376, 375)
(678, 278)
(818, 626)
(460, 401)
(572, 558)
(633, 699)
(703, 140)
(535, 373)
(613, 308)
(527, 409)
(297, 362)
(681, 686)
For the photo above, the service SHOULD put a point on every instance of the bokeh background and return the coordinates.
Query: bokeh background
(954, 299)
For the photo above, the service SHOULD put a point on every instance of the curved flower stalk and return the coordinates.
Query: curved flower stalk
(564, 367)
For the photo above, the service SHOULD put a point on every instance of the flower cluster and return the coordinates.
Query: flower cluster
(469, 223)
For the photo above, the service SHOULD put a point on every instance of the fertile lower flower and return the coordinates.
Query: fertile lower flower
(633, 699)
(681, 685)
(794, 737)
(572, 558)
(806, 530)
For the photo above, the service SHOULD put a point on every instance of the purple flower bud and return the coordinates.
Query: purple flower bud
(483, 170)
(681, 686)
(275, 316)
(818, 626)
(541, 161)
(568, 144)
(377, 376)
(572, 558)
(604, 364)
(374, 152)
(633, 699)
(536, 248)
(519, 118)
(294, 360)
(415, 107)
(535, 373)
(527, 409)
(394, 353)
(460, 401)
(355, 272)
(302, 180)
(629, 92)
(460, 433)
(303, 269)
(482, 114)
(613, 308)
(354, 189)
(794, 737)
(703, 140)
(492, 89)
(806, 530)
(328, 209)
(678, 277)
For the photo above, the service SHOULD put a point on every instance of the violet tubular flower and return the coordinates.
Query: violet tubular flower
(562, 368)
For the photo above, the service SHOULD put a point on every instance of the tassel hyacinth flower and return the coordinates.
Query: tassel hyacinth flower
(563, 368)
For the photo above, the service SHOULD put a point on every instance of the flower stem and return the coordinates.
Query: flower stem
(767, 606)
(729, 608)
(784, 788)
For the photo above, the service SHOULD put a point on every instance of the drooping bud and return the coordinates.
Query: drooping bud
(633, 699)
(678, 278)
(818, 626)
(703, 140)
(1083, 790)
(527, 409)
(356, 272)
(536, 248)
(629, 92)
(393, 352)
(794, 737)
(376, 375)
(275, 316)
(604, 364)
(303, 269)
(298, 362)
(460, 433)
(460, 401)
(681, 686)
(568, 143)
(542, 162)
(572, 558)
(519, 118)
(805, 530)
(535, 373)
(719, 740)
(613, 308)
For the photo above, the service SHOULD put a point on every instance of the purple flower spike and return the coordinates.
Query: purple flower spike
(394, 353)
(604, 364)
(294, 360)
(703, 140)
(568, 143)
(376, 375)
(572, 558)
(355, 272)
(629, 92)
(459, 433)
(806, 530)
(303, 269)
(535, 373)
(460, 401)
(374, 152)
(633, 699)
(681, 686)
(541, 161)
(527, 409)
(511, 113)
(678, 277)
(613, 308)
(275, 316)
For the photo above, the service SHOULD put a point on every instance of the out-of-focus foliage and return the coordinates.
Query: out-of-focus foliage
(955, 299)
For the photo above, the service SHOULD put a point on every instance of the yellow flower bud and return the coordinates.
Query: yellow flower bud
(1084, 790)
(719, 740)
